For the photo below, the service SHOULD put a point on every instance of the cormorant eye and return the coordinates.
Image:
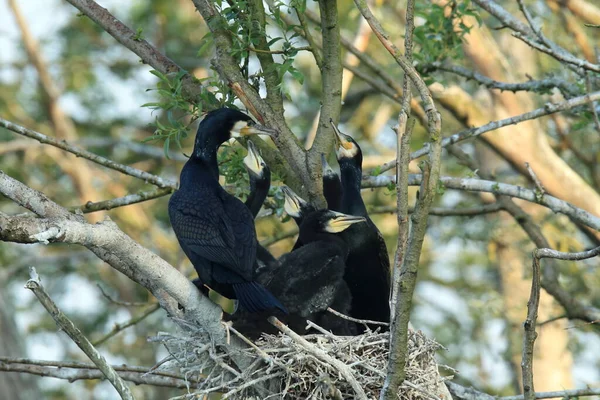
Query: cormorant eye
(251, 123)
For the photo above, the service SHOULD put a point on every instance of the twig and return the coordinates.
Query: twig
(309, 38)
(130, 199)
(481, 185)
(549, 108)
(342, 368)
(588, 86)
(119, 302)
(535, 179)
(145, 176)
(121, 327)
(251, 383)
(35, 285)
(131, 40)
(583, 255)
(77, 371)
(542, 85)
(360, 321)
(463, 393)
(446, 212)
(530, 333)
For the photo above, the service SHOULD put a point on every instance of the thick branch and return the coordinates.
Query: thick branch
(65, 324)
(530, 333)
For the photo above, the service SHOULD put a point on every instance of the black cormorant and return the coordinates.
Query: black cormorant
(259, 175)
(332, 187)
(297, 208)
(215, 229)
(368, 264)
(309, 279)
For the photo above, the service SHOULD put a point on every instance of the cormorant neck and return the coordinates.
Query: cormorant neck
(205, 150)
(351, 177)
(259, 188)
(330, 238)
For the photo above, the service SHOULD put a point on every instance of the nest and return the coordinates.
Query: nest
(290, 366)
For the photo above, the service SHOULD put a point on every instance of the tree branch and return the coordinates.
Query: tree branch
(73, 371)
(65, 324)
(549, 108)
(530, 333)
(136, 173)
(139, 197)
(463, 393)
(121, 327)
(144, 50)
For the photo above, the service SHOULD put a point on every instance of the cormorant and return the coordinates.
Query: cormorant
(297, 208)
(259, 175)
(332, 187)
(368, 264)
(309, 279)
(215, 229)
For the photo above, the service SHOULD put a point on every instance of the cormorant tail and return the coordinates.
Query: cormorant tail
(253, 297)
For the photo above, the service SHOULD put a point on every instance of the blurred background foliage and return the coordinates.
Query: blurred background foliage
(102, 89)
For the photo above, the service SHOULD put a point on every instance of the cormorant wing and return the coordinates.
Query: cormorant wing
(223, 234)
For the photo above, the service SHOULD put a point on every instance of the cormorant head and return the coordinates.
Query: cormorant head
(253, 161)
(293, 204)
(345, 146)
(222, 124)
(328, 221)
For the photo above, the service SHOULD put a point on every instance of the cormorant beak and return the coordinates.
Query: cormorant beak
(340, 222)
(245, 128)
(253, 161)
(345, 147)
(293, 203)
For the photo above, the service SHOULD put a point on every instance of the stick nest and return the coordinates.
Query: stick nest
(283, 367)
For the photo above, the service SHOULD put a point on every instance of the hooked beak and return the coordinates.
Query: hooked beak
(253, 161)
(293, 203)
(257, 129)
(340, 138)
(341, 222)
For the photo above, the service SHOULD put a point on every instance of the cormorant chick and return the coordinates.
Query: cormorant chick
(215, 229)
(309, 279)
(297, 208)
(259, 175)
(332, 187)
(368, 264)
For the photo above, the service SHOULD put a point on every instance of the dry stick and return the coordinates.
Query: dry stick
(136, 173)
(91, 372)
(463, 393)
(121, 327)
(549, 108)
(446, 212)
(482, 185)
(117, 202)
(342, 368)
(35, 285)
(360, 321)
(251, 383)
(535, 179)
(122, 303)
(530, 334)
(583, 255)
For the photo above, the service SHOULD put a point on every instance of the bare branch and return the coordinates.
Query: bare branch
(130, 39)
(119, 302)
(542, 85)
(121, 327)
(583, 255)
(139, 197)
(530, 333)
(366, 322)
(35, 285)
(74, 371)
(481, 185)
(145, 176)
(463, 393)
(446, 212)
(549, 108)
(535, 179)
